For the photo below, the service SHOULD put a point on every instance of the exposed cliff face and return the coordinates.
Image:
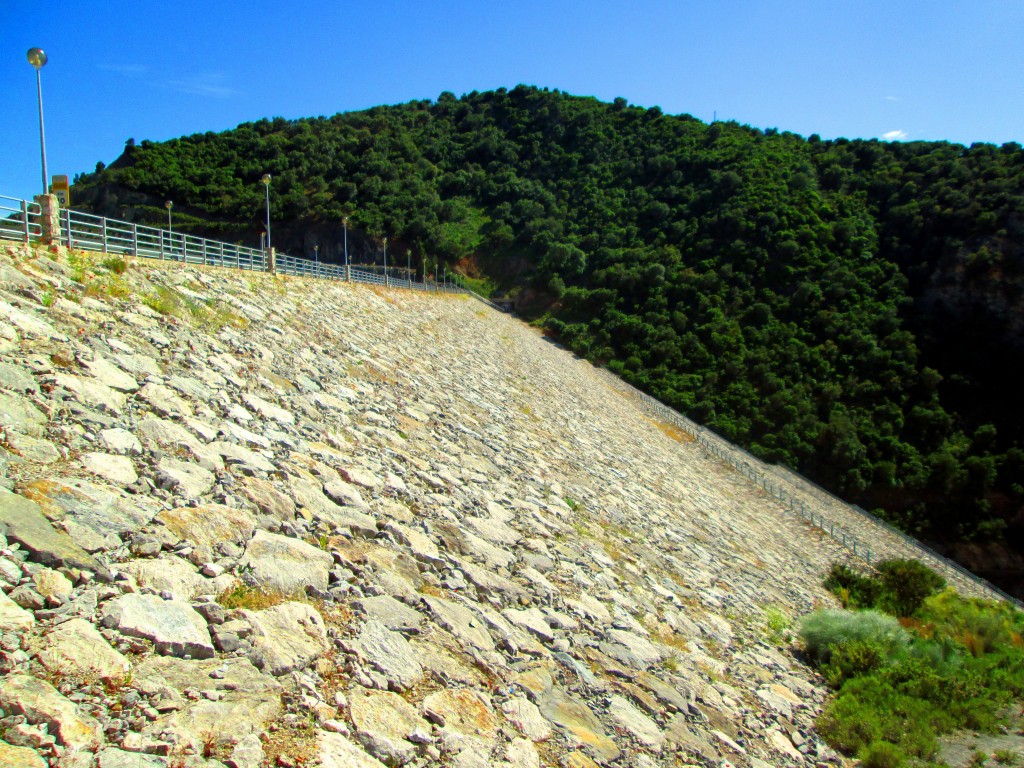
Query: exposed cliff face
(254, 520)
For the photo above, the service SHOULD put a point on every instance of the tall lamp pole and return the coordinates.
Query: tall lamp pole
(168, 205)
(344, 224)
(408, 265)
(385, 261)
(316, 257)
(266, 183)
(37, 58)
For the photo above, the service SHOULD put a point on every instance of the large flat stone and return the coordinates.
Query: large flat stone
(174, 627)
(40, 702)
(384, 721)
(19, 757)
(17, 413)
(21, 520)
(286, 564)
(338, 752)
(209, 524)
(76, 650)
(101, 509)
(579, 720)
(14, 618)
(461, 622)
(243, 701)
(287, 637)
(389, 653)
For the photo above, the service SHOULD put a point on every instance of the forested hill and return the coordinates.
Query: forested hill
(850, 308)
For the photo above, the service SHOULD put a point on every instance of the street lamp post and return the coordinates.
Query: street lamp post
(344, 224)
(168, 205)
(266, 183)
(316, 258)
(385, 262)
(408, 265)
(37, 58)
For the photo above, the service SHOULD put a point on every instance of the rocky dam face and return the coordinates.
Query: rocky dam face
(252, 520)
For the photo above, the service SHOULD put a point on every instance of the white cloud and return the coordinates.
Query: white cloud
(211, 84)
(891, 98)
(896, 135)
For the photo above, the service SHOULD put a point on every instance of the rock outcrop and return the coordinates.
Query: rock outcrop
(250, 520)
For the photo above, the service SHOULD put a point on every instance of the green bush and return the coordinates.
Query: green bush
(851, 659)
(905, 586)
(854, 589)
(824, 630)
(882, 754)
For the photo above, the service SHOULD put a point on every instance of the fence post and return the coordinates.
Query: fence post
(49, 219)
(67, 220)
(103, 232)
(271, 260)
(24, 219)
(135, 240)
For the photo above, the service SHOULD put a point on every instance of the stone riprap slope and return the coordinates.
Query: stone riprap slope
(251, 520)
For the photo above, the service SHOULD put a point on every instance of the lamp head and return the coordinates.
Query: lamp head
(168, 205)
(37, 57)
(266, 179)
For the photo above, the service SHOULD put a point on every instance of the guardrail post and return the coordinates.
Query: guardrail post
(67, 221)
(135, 240)
(49, 219)
(24, 219)
(103, 231)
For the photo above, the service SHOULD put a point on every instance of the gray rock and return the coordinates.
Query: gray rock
(391, 613)
(338, 752)
(18, 413)
(20, 757)
(117, 469)
(642, 728)
(109, 375)
(461, 622)
(22, 521)
(287, 637)
(15, 379)
(174, 627)
(40, 702)
(388, 653)
(384, 721)
(209, 525)
(14, 618)
(120, 441)
(77, 650)
(92, 393)
(285, 564)
(190, 480)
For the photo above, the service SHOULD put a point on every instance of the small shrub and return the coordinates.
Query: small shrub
(48, 298)
(115, 264)
(882, 754)
(1006, 757)
(906, 585)
(777, 626)
(824, 630)
(853, 658)
(853, 589)
(252, 598)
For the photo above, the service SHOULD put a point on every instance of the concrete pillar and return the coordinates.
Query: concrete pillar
(49, 219)
(272, 260)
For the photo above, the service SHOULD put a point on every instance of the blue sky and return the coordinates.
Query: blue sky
(913, 69)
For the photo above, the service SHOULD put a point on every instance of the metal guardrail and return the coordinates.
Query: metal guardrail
(747, 465)
(19, 219)
(86, 231)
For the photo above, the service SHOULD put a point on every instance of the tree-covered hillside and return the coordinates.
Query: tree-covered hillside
(850, 308)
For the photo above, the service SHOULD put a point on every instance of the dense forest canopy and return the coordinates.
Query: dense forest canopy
(850, 308)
